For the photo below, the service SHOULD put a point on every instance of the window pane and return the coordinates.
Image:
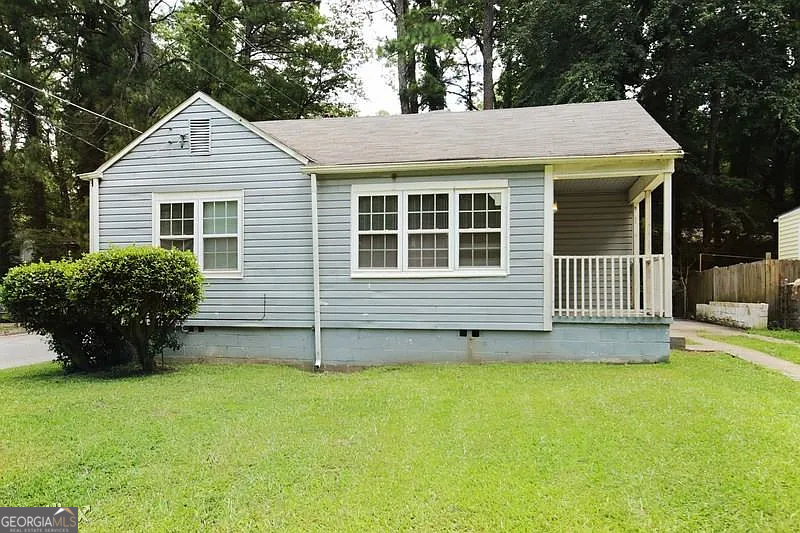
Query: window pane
(414, 202)
(391, 204)
(427, 220)
(179, 244)
(441, 221)
(165, 211)
(188, 227)
(428, 250)
(479, 249)
(465, 202)
(480, 219)
(479, 201)
(441, 202)
(391, 222)
(465, 220)
(216, 220)
(363, 204)
(377, 204)
(377, 222)
(377, 251)
(220, 253)
(364, 223)
(494, 219)
(427, 202)
(164, 227)
(177, 227)
(414, 220)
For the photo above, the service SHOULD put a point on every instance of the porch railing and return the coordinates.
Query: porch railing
(609, 286)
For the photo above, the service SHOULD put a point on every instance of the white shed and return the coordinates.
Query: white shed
(789, 234)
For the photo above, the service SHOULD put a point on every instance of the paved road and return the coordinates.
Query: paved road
(24, 349)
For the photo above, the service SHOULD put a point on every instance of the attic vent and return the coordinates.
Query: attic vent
(200, 136)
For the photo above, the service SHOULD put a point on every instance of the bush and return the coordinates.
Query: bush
(142, 293)
(37, 296)
(108, 306)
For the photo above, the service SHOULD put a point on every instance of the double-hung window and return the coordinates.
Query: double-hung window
(206, 223)
(430, 229)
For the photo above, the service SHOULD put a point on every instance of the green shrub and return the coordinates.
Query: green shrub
(142, 293)
(108, 306)
(37, 296)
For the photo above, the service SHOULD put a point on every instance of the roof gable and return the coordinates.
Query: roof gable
(199, 96)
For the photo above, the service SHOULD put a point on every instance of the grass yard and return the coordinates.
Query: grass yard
(785, 334)
(703, 443)
(789, 352)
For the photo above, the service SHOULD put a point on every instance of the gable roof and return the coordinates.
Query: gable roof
(172, 114)
(620, 127)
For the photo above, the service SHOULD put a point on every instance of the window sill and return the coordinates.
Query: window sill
(418, 274)
(222, 275)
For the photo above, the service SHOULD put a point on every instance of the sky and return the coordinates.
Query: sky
(377, 75)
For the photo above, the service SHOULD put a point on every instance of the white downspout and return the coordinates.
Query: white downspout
(315, 266)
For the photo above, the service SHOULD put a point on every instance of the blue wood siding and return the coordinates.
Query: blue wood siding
(593, 224)
(277, 289)
(515, 302)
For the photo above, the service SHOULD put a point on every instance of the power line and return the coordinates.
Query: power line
(217, 78)
(232, 60)
(64, 100)
(62, 130)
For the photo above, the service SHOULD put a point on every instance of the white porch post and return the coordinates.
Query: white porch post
(667, 247)
(647, 263)
(549, 283)
(648, 223)
(637, 265)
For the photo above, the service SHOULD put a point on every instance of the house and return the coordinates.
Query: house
(512, 234)
(789, 234)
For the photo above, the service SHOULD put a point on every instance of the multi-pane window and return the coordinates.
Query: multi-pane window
(479, 229)
(207, 224)
(452, 230)
(176, 225)
(377, 231)
(220, 235)
(428, 230)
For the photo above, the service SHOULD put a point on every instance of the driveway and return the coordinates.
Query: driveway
(23, 349)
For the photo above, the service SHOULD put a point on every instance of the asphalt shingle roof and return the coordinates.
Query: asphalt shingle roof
(586, 129)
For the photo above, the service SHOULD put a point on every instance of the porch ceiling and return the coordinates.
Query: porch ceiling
(593, 185)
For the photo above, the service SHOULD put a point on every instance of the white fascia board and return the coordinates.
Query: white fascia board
(172, 114)
(463, 164)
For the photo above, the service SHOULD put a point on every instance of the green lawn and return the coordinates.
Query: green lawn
(703, 443)
(785, 334)
(789, 352)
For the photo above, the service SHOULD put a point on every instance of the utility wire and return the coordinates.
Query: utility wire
(64, 100)
(52, 124)
(217, 78)
(232, 60)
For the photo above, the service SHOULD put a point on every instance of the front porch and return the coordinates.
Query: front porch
(605, 264)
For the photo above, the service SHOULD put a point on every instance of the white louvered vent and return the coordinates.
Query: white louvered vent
(200, 136)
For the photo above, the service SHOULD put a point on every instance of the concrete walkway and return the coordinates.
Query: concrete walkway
(692, 330)
(23, 349)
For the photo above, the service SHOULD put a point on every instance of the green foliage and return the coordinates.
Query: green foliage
(37, 296)
(704, 443)
(142, 293)
(108, 306)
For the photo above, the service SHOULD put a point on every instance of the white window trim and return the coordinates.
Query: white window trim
(198, 198)
(402, 190)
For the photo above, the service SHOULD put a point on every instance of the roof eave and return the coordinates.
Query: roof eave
(477, 164)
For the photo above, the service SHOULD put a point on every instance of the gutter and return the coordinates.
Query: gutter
(315, 263)
(461, 164)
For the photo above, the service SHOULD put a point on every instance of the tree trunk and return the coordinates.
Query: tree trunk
(5, 212)
(488, 54)
(143, 44)
(406, 63)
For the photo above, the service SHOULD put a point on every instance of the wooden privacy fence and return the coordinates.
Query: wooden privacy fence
(758, 282)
